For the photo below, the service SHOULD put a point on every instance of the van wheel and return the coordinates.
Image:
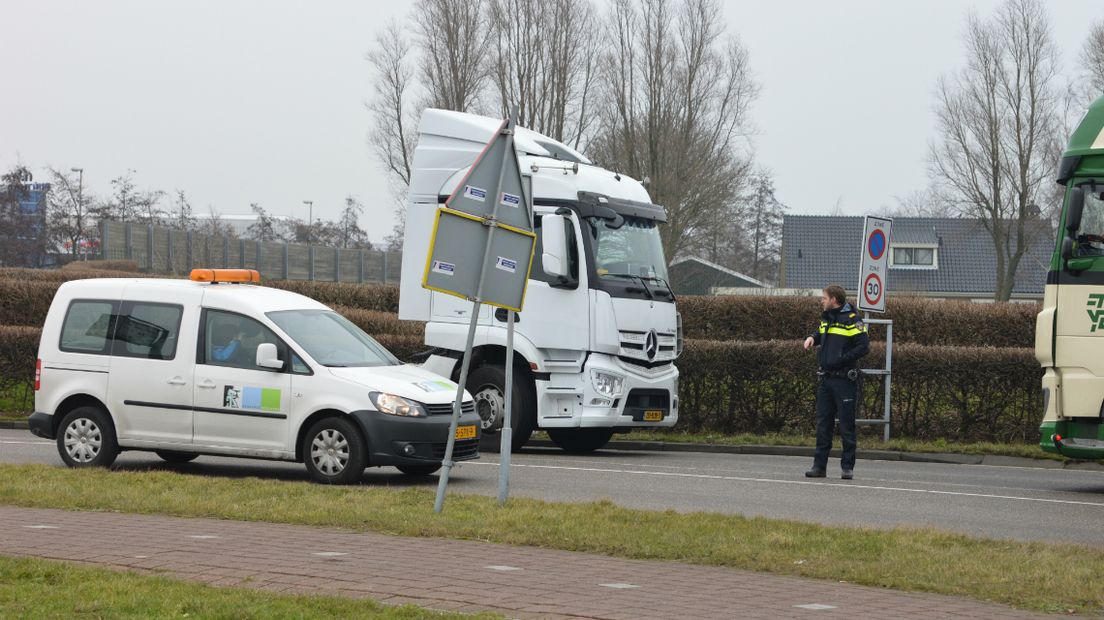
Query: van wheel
(580, 440)
(87, 438)
(334, 451)
(487, 385)
(171, 456)
(418, 470)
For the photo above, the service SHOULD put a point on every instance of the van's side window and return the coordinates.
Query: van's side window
(88, 326)
(148, 330)
(232, 340)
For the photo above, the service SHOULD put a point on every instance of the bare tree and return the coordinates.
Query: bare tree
(215, 226)
(183, 218)
(22, 240)
(266, 228)
(928, 202)
(1092, 60)
(998, 119)
(762, 223)
(351, 235)
(71, 212)
(678, 92)
(545, 60)
(130, 204)
(452, 38)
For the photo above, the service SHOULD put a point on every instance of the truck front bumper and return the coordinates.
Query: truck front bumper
(571, 400)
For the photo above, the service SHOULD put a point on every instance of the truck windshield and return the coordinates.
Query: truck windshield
(631, 251)
(331, 339)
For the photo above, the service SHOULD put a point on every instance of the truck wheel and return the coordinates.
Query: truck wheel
(418, 470)
(171, 456)
(334, 452)
(87, 438)
(487, 386)
(580, 440)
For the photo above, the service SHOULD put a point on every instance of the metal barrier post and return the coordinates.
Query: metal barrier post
(287, 273)
(337, 264)
(310, 267)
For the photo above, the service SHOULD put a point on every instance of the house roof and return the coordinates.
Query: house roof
(819, 250)
(692, 275)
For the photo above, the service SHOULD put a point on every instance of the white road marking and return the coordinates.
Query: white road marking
(42, 527)
(815, 606)
(28, 443)
(330, 554)
(619, 586)
(203, 536)
(502, 568)
(803, 482)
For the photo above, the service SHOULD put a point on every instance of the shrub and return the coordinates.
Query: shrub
(25, 302)
(101, 265)
(64, 275)
(378, 297)
(378, 323)
(18, 349)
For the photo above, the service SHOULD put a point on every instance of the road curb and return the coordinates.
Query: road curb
(10, 424)
(875, 455)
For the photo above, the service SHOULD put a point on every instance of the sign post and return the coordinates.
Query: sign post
(872, 298)
(482, 250)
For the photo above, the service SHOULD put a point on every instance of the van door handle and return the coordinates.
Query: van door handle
(177, 381)
(207, 385)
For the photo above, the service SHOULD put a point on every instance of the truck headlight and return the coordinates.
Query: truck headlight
(607, 383)
(396, 405)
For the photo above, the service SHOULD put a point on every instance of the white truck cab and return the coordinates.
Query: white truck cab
(597, 339)
(216, 365)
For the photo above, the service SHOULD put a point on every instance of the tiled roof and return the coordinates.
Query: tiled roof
(819, 250)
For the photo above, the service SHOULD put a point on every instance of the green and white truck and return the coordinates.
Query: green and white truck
(1069, 333)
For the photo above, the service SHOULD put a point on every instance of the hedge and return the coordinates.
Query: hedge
(916, 320)
(377, 297)
(100, 265)
(18, 349)
(25, 302)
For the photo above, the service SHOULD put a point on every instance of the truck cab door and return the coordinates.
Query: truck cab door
(557, 315)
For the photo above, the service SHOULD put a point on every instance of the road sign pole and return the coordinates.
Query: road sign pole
(491, 224)
(506, 442)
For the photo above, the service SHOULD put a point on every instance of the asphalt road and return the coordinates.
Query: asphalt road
(996, 502)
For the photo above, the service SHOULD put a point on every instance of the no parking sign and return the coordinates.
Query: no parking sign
(875, 264)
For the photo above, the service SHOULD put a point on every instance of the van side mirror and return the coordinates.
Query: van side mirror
(554, 260)
(267, 357)
(1073, 212)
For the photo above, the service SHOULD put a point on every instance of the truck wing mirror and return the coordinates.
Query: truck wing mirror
(1076, 207)
(1067, 248)
(554, 260)
(267, 357)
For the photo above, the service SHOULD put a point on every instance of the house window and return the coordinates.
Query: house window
(914, 257)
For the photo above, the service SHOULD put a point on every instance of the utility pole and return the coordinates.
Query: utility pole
(80, 205)
(310, 220)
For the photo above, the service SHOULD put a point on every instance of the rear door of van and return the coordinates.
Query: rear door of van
(153, 364)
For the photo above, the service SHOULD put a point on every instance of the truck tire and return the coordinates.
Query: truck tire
(172, 456)
(580, 440)
(86, 438)
(486, 384)
(334, 451)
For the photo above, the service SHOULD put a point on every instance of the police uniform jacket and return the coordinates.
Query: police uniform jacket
(842, 339)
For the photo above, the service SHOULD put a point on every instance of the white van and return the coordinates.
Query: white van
(215, 365)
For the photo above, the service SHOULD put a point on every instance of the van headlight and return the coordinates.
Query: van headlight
(397, 405)
(607, 383)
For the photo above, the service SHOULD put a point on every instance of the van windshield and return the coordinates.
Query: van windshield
(331, 339)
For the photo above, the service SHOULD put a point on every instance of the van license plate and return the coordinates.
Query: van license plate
(465, 432)
(653, 415)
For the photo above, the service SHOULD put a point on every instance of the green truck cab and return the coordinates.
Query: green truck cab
(1069, 332)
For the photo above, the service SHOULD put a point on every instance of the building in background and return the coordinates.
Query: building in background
(944, 258)
(696, 276)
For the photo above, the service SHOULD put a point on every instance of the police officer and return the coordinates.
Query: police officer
(842, 340)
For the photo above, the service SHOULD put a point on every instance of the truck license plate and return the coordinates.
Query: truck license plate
(465, 432)
(653, 415)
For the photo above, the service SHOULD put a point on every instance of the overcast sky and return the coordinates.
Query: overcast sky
(238, 102)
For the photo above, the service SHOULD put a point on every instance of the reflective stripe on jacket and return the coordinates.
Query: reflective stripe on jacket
(842, 339)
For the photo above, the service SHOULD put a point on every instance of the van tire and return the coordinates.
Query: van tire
(580, 440)
(334, 451)
(487, 385)
(419, 470)
(86, 438)
(172, 456)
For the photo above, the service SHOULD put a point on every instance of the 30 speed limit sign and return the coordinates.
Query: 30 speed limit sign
(875, 264)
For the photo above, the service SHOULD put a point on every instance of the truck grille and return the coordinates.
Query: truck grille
(446, 408)
(634, 347)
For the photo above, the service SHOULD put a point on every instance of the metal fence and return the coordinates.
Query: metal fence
(164, 250)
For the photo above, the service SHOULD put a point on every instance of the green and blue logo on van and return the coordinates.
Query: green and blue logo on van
(246, 397)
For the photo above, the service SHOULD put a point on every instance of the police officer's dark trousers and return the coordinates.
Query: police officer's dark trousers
(835, 398)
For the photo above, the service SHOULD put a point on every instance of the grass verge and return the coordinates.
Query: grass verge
(32, 588)
(1035, 576)
(1031, 451)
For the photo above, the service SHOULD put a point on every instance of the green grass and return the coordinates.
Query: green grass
(31, 588)
(1035, 576)
(865, 443)
(16, 400)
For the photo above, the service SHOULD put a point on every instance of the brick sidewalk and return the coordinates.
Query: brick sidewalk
(519, 582)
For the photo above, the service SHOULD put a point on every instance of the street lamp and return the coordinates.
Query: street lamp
(310, 219)
(80, 205)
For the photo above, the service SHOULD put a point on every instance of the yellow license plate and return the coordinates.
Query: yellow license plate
(465, 432)
(653, 415)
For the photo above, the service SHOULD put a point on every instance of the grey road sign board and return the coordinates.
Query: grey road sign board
(874, 269)
(476, 194)
(456, 255)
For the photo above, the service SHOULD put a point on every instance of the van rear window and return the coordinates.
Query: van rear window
(88, 325)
